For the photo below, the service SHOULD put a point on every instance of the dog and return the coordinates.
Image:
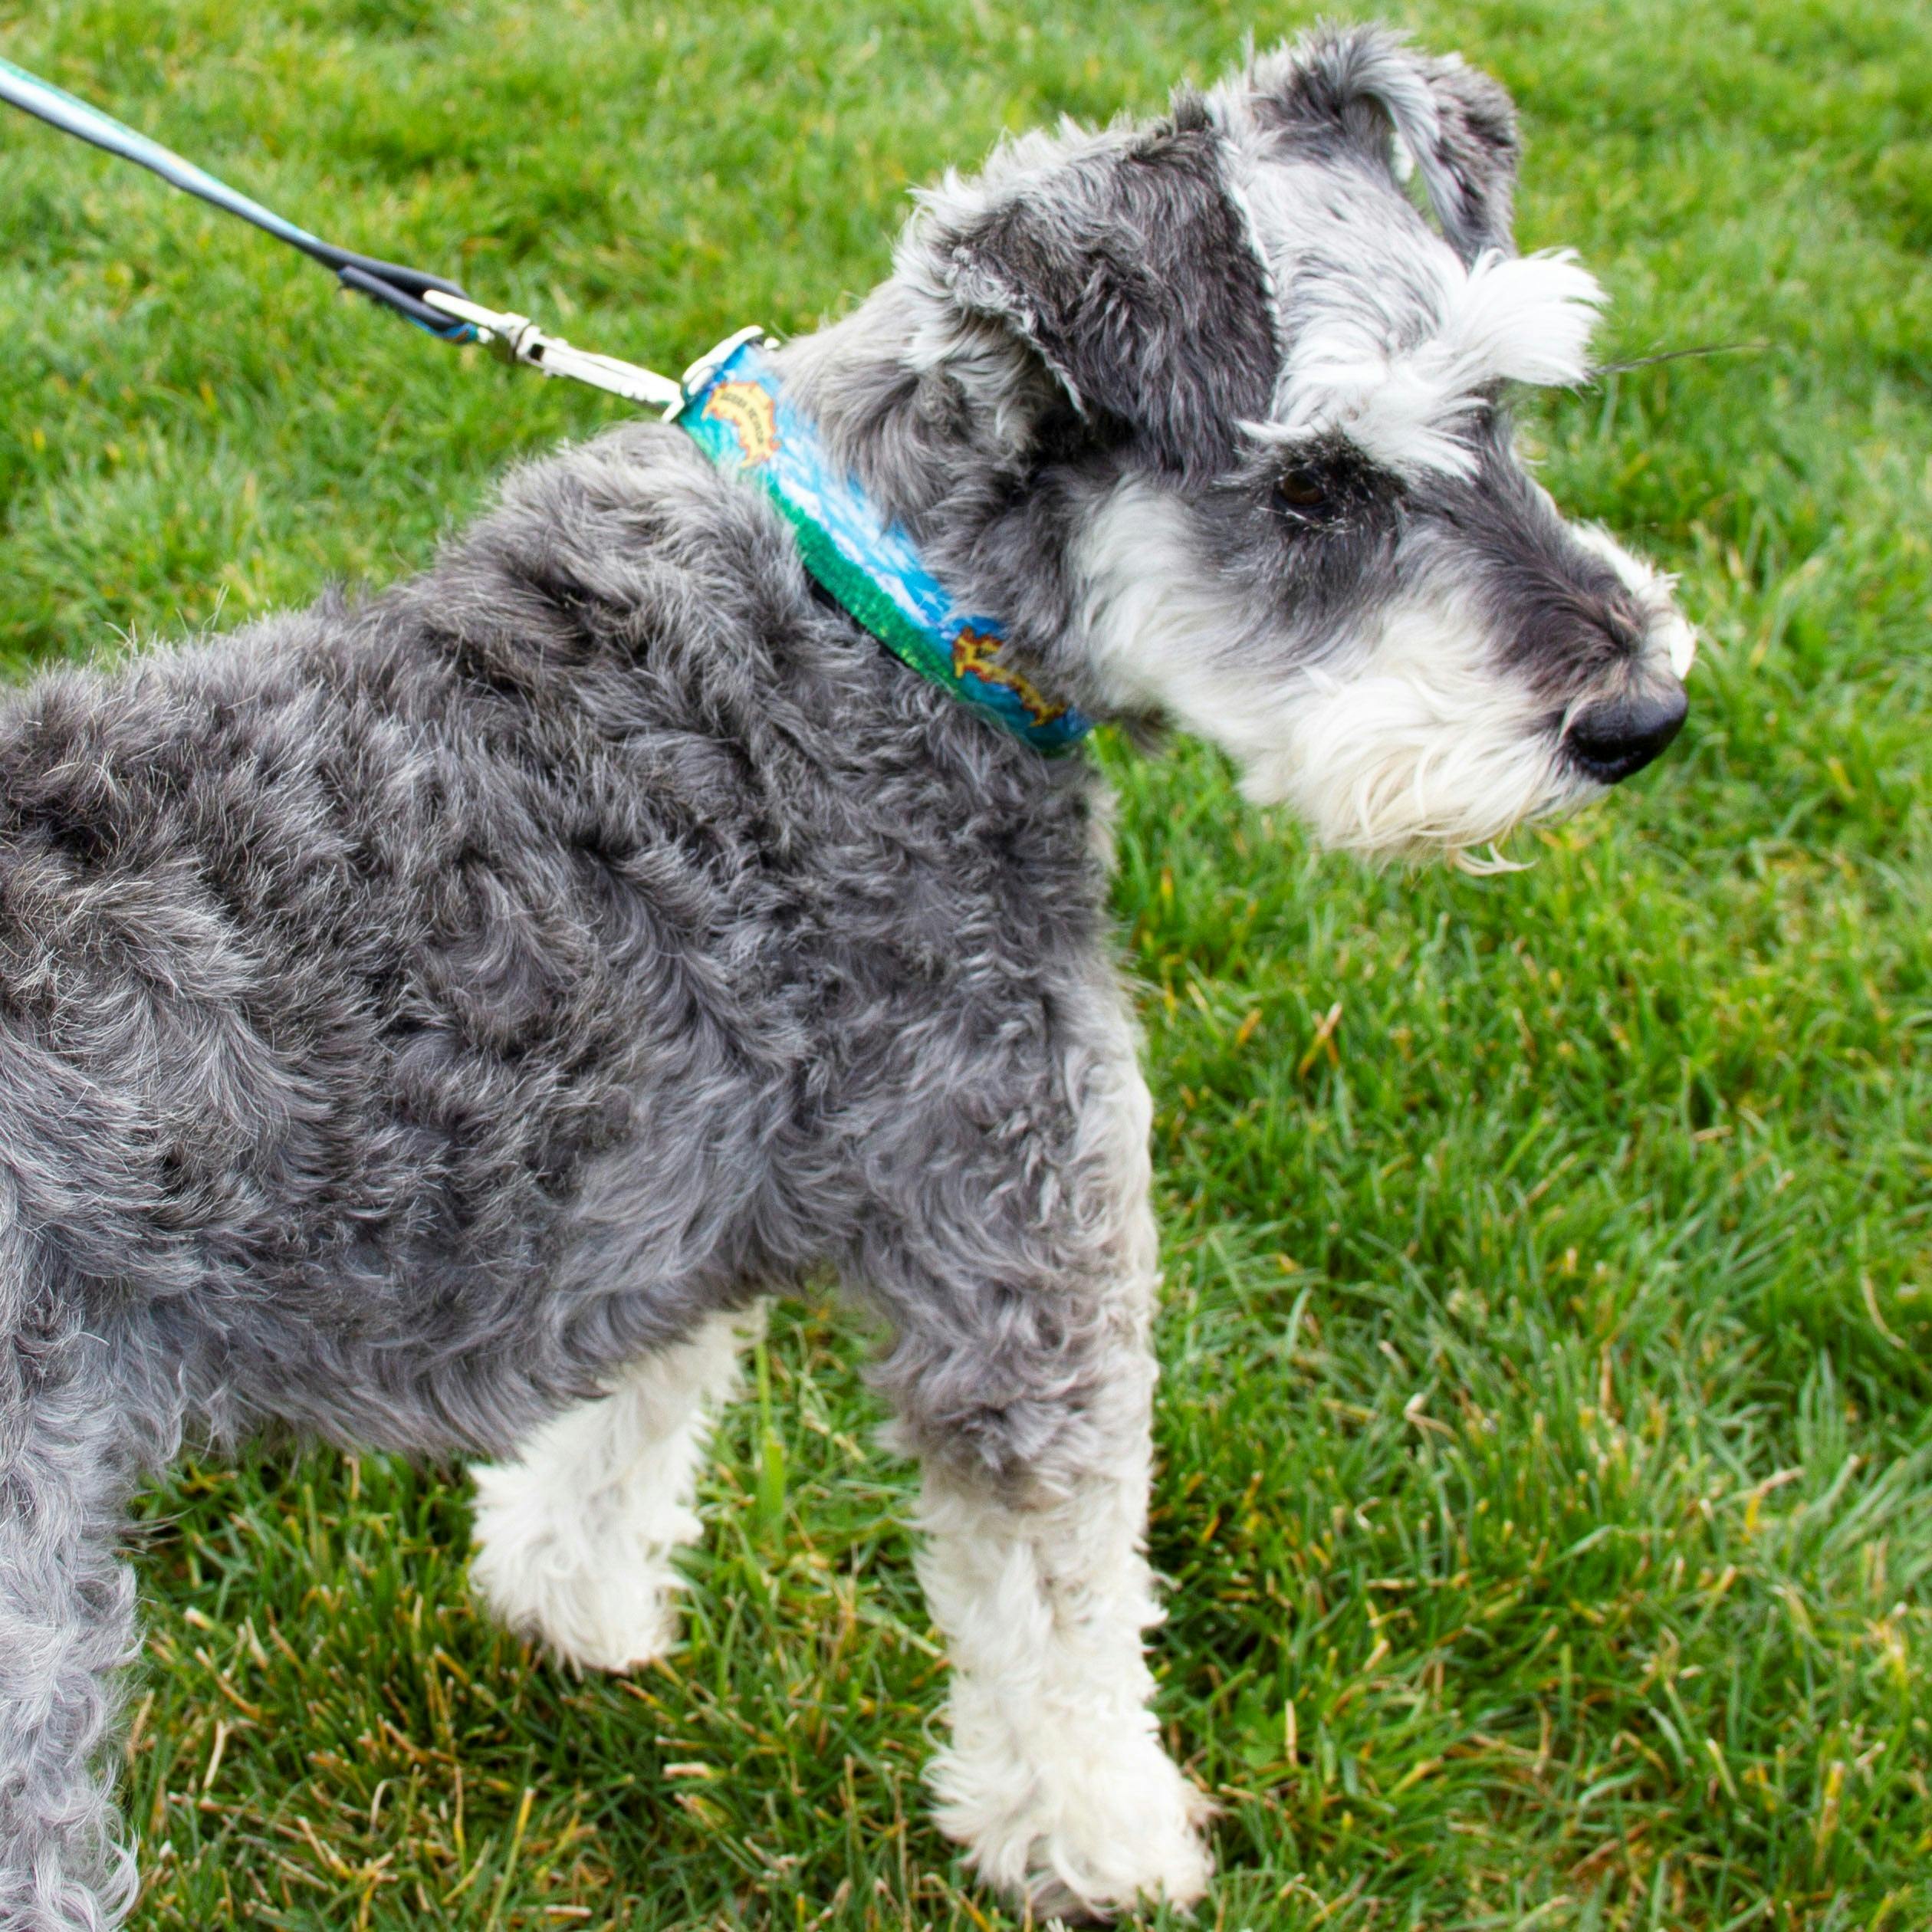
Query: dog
(437, 1022)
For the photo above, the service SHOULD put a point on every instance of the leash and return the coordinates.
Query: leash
(438, 307)
(731, 402)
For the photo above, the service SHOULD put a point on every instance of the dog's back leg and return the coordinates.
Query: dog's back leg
(575, 1536)
(1019, 1271)
(67, 1605)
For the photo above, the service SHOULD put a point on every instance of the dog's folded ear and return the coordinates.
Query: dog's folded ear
(1116, 261)
(1368, 85)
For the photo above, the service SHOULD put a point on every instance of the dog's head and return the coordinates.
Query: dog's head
(1266, 400)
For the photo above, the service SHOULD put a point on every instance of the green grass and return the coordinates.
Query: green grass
(1547, 1474)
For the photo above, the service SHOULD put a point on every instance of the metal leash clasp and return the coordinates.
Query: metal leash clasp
(708, 365)
(516, 339)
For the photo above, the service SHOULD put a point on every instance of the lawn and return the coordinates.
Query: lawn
(1547, 1475)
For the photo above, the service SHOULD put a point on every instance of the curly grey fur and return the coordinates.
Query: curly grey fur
(66, 1614)
(412, 1009)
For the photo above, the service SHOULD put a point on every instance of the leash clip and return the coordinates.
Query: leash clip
(700, 372)
(514, 338)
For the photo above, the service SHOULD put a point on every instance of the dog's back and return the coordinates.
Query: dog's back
(341, 960)
(410, 1010)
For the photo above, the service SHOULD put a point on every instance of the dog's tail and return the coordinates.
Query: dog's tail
(66, 1603)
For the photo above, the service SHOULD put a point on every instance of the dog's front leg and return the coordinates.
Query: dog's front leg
(1020, 1273)
(576, 1536)
(1055, 1778)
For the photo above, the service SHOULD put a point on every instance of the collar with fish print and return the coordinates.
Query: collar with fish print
(735, 408)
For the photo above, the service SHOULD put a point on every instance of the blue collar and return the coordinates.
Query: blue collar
(736, 409)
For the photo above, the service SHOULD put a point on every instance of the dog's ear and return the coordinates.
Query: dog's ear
(1457, 125)
(1117, 264)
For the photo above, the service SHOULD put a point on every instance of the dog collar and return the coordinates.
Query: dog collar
(735, 408)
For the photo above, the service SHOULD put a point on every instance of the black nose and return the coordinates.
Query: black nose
(1611, 740)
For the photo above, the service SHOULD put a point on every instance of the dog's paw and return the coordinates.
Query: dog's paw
(1088, 1832)
(604, 1602)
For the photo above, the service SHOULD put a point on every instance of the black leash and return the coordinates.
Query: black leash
(438, 306)
(387, 282)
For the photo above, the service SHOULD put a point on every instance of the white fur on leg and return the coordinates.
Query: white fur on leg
(575, 1537)
(1055, 1778)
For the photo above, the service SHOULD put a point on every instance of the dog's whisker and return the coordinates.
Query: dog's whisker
(1599, 370)
(1490, 866)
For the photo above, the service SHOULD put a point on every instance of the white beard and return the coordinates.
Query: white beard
(1409, 740)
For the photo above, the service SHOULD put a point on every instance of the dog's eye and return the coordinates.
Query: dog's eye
(1303, 491)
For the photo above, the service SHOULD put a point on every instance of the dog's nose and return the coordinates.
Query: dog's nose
(1611, 740)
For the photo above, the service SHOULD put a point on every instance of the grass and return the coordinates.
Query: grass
(1547, 1475)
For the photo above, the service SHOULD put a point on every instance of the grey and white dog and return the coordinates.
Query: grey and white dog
(436, 1022)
